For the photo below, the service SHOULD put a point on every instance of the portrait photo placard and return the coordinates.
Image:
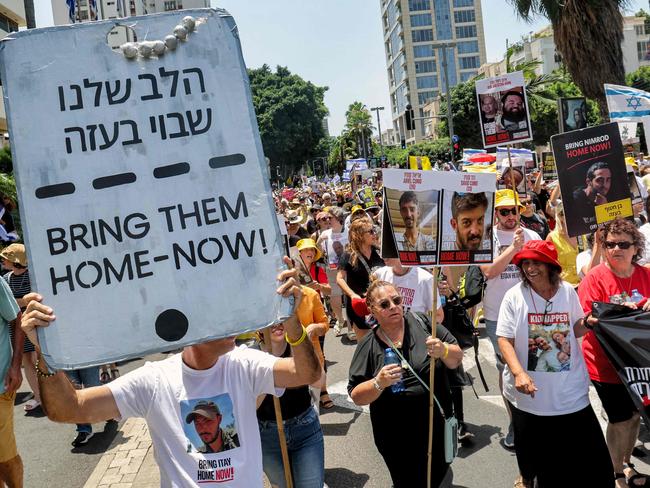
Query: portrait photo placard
(145, 199)
(593, 178)
(438, 218)
(503, 110)
(572, 113)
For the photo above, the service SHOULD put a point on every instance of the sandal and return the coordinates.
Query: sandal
(115, 373)
(104, 377)
(325, 400)
(630, 480)
(31, 405)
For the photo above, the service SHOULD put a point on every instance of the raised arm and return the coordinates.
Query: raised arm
(61, 401)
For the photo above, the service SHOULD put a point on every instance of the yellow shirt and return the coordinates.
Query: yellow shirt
(311, 311)
(566, 255)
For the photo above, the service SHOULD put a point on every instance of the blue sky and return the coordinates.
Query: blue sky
(338, 43)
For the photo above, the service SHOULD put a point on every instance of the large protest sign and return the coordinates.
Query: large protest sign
(593, 180)
(144, 192)
(512, 171)
(623, 335)
(503, 106)
(437, 218)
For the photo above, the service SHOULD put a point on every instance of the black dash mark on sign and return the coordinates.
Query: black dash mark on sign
(225, 161)
(58, 190)
(171, 325)
(113, 180)
(157, 259)
(171, 170)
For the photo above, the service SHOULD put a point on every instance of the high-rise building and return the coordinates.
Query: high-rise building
(412, 29)
(12, 16)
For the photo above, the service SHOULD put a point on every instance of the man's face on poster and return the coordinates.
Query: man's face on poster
(489, 105)
(338, 248)
(601, 182)
(410, 214)
(470, 228)
(507, 179)
(208, 429)
(513, 107)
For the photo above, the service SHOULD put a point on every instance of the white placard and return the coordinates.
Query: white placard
(144, 193)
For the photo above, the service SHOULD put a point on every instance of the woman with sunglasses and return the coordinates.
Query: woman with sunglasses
(614, 280)
(301, 425)
(545, 383)
(399, 420)
(355, 268)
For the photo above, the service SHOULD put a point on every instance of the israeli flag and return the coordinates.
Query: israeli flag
(625, 103)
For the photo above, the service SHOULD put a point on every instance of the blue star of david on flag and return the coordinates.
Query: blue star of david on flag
(633, 102)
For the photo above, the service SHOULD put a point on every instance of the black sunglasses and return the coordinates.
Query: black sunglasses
(385, 304)
(504, 212)
(620, 244)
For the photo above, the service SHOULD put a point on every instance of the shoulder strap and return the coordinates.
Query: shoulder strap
(364, 262)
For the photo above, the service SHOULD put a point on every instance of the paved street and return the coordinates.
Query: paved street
(351, 461)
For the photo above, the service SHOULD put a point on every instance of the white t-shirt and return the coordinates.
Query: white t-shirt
(498, 286)
(546, 348)
(416, 288)
(167, 392)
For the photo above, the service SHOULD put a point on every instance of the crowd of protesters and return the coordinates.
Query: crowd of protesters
(535, 302)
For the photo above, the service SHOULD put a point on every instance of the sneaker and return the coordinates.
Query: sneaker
(464, 433)
(82, 439)
(337, 329)
(352, 336)
(509, 440)
(31, 405)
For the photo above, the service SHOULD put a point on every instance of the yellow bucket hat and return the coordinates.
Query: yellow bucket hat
(507, 198)
(309, 244)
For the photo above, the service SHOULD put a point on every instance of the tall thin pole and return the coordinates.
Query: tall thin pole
(432, 369)
(381, 143)
(512, 182)
(450, 119)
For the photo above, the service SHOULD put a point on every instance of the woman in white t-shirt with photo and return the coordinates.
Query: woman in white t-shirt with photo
(545, 378)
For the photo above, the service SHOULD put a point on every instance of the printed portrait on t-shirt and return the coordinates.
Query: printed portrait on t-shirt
(335, 248)
(549, 344)
(209, 424)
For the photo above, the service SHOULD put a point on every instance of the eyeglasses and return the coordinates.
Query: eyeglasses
(547, 308)
(371, 231)
(504, 212)
(385, 304)
(620, 244)
(325, 219)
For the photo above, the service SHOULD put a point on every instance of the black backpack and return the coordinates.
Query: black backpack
(471, 287)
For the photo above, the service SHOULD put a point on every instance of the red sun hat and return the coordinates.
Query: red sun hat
(542, 251)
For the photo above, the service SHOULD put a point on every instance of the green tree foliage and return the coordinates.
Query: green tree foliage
(436, 150)
(465, 115)
(6, 165)
(639, 79)
(358, 126)
(290, 113)
(588, 34)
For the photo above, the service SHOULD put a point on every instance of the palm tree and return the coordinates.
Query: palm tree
(359, 125)
(588, 35)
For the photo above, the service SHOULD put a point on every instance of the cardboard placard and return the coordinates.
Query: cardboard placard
(437, 218)
(145, 196)
(592, 175)
(549, 173)
(503, 110)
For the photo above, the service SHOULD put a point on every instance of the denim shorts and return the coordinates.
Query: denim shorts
(306, 450)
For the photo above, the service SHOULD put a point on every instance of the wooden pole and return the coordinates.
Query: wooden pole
(432, 369)
(512, 182)
(278, 420)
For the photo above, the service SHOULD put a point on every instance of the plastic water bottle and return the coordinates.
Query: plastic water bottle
(391, 358)
(636, 296)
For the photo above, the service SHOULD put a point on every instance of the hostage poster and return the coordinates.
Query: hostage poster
(593, 178)
(146, 192)
(438, 218)
(503, 110)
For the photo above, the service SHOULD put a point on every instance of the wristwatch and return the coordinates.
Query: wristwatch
(377, 385)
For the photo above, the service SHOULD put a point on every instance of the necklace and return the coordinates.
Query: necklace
(396, 344)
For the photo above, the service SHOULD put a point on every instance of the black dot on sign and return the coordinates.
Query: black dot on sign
(171, 325)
